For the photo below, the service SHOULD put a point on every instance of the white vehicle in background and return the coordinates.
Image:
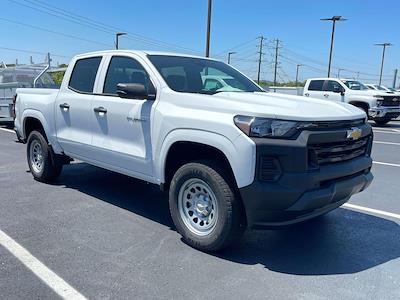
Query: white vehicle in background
(221, 83)
(382, 88)
(12, 78)
(380, 106)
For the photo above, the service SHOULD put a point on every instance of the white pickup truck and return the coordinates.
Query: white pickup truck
(230, 158)
(380, 106)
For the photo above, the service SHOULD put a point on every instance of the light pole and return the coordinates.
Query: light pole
(338, 72)
(383, 45)
(229, 56)
(117, 35)
(297, 73)
(208, 29)
(334, 19)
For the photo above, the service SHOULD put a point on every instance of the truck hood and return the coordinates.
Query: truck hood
(369, 93)
(282, 106)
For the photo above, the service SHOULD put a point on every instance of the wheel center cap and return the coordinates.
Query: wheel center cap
(203, 206)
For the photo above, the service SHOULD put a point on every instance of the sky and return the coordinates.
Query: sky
(65, 28)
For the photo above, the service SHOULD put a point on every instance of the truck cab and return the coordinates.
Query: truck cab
(379, 106)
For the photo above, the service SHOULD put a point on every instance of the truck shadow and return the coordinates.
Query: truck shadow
(342, 242)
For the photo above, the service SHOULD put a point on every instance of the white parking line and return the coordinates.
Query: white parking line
(7, 130)
(386, 164)
(56, 283)
(372, 210)
(387, 143)
(385, 131)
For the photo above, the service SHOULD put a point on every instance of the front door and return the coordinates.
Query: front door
(332, 90)
(121, 127)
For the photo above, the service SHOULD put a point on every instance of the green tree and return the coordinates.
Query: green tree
(58, 76)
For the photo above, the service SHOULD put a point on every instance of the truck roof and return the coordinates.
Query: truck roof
(329, 78)
(141, 53)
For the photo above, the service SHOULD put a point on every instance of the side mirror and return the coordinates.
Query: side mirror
(337, 89)
(136, 91)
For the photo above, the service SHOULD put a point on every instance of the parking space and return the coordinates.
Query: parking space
(109, 236)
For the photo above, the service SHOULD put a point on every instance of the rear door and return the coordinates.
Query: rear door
(121, 127)
(314, 89)
(73, 107)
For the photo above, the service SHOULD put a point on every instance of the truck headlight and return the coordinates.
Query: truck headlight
(264, 127)
(378, 97)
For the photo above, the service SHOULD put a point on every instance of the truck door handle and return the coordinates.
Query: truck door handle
(326, 95)
(306, 94)
(64, 106)
(100, 109)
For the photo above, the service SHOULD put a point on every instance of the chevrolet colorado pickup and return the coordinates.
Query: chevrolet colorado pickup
(380, 106)
(230, 157)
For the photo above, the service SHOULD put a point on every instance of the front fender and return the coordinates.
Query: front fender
(240, 153)
(364, 99)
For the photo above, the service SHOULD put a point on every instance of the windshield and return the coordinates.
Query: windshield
(354, 85)
(202, 76)
(381, 88)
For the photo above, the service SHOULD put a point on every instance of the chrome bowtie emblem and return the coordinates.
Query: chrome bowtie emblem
(395, 100)
(354, 133)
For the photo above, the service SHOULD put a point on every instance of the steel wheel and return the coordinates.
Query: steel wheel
(198, 207)
(36, 156)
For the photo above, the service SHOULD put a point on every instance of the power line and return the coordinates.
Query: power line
(33, 52)
(236, 47)
(84, 21)
(52, 31)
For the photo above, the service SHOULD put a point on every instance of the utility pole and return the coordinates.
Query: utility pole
(297, 74)
(333, 19)
(208, 28)
(229, 57)
(276, 61)
(48, 59)
(358, 75)
(117, 35)
(260, 52)
(395, 78)
(31, 60)
(383, 45)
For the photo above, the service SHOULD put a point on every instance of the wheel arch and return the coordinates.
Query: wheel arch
(179, 144)
(33, 120)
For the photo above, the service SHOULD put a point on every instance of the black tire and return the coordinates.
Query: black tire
(382, 121)
(51, 168)
(229, 225)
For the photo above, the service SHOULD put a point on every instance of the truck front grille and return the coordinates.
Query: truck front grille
(391, 101)
(329, 153)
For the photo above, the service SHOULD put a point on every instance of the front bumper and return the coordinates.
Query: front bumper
(384, 112)
(303, 190)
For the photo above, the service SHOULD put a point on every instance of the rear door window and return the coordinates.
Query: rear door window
(316, 85)
(84, 74)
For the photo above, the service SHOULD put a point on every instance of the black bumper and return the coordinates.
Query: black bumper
(301, 188)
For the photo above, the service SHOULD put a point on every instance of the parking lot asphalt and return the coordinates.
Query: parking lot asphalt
(109, 236)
